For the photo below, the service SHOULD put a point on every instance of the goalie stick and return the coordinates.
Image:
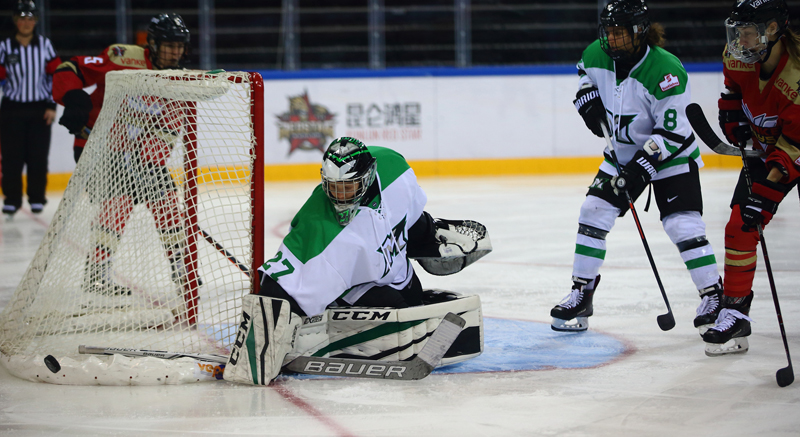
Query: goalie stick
(665, 321)
(697, 119)
(419, 367)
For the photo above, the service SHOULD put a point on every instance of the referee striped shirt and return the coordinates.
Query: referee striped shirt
(28, 70)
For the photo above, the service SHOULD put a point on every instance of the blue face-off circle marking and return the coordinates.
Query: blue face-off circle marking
(520, 345)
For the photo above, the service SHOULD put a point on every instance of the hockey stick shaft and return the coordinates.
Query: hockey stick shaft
(665, 321)
(784, 376)
(421, 366)
(224, 252)
(95, 350)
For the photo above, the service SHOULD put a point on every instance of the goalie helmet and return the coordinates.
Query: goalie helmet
(623, 29)
(748, 28)
(348, 170)
(26, 8)
(167, 27)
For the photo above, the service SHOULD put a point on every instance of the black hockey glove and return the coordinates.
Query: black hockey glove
(762, 204)
(731, 115)
(77, 107)
(636, 174)
(591, 108)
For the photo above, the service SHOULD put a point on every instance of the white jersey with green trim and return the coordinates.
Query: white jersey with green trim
(320, 261)
(649, 103)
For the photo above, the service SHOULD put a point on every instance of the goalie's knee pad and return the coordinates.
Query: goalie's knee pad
(267, 333)
(460, 243)
(387, 334)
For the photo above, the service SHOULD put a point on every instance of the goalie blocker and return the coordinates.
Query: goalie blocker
(271, 337)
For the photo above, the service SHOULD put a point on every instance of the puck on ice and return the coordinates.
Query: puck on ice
(52, 363)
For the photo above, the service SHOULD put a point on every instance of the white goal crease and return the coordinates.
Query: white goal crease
(172, 154)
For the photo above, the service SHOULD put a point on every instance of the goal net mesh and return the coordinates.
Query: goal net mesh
(152, 244)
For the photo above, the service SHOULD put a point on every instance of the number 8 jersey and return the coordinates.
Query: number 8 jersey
(650, 103)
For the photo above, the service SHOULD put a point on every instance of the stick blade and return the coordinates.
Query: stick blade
(666, 321)
(785, 376)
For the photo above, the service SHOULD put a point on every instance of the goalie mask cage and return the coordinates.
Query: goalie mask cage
(157, 238)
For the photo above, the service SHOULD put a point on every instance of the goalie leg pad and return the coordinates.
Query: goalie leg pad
(266, 335)
(385, 334)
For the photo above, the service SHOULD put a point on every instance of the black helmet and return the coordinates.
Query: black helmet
(756, 15)
(26, 8)
(347, 167)
(628, 14)
(166, 27)
(761, 12)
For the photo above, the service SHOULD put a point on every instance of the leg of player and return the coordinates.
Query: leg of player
(729, 335)
(107, 231)
(596, 219)
(687, 231)
(266, 335)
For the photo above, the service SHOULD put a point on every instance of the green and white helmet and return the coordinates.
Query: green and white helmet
(348, 170)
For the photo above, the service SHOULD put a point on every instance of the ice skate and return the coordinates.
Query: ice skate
(576, 305)
(709, 308)
(97, 279)
(729, 335)
(9, 211)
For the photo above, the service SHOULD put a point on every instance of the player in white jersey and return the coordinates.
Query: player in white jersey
(351, 244)
(640, 91)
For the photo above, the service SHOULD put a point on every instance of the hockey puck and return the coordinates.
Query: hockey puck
(52, 363)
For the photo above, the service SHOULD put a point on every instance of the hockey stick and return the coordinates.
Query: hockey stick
(421, 366)
(700, 125)
(784, 376)
(224, 252)
(665, 321)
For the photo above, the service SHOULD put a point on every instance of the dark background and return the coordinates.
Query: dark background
(418, 33)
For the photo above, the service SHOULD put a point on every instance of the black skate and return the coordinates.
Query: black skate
(729, 335)
(97, 279)
(708, 311)
(577, 305)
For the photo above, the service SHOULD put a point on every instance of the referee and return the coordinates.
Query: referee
(27, 63)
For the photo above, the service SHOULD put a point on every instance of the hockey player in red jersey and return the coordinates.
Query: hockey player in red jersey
(761, 104)
(150, 182)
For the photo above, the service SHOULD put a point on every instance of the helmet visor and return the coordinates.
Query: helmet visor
(346, 194)
(747, 42)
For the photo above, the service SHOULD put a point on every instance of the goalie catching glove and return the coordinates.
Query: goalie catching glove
(455, 245)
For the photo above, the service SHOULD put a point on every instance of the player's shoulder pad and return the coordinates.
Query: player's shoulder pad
(788, 82)
(127, 55)
(69, 65)
(390, 164)
(733, 64)
(661, 73)
(313, 227)
(594, 57)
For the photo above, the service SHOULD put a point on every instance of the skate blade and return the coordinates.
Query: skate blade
(577, 324)
(737, 345)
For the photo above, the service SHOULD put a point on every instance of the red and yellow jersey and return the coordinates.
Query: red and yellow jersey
(84, 71)
(772, 106)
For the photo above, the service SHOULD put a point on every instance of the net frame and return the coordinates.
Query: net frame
(20, 350)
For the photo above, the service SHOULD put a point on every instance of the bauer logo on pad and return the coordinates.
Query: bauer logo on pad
(669, 82)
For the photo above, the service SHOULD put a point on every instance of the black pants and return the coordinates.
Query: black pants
(24, 141)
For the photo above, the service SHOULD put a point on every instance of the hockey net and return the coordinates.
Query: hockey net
(157, 237)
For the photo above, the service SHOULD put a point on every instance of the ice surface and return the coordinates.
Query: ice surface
(648, 382)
